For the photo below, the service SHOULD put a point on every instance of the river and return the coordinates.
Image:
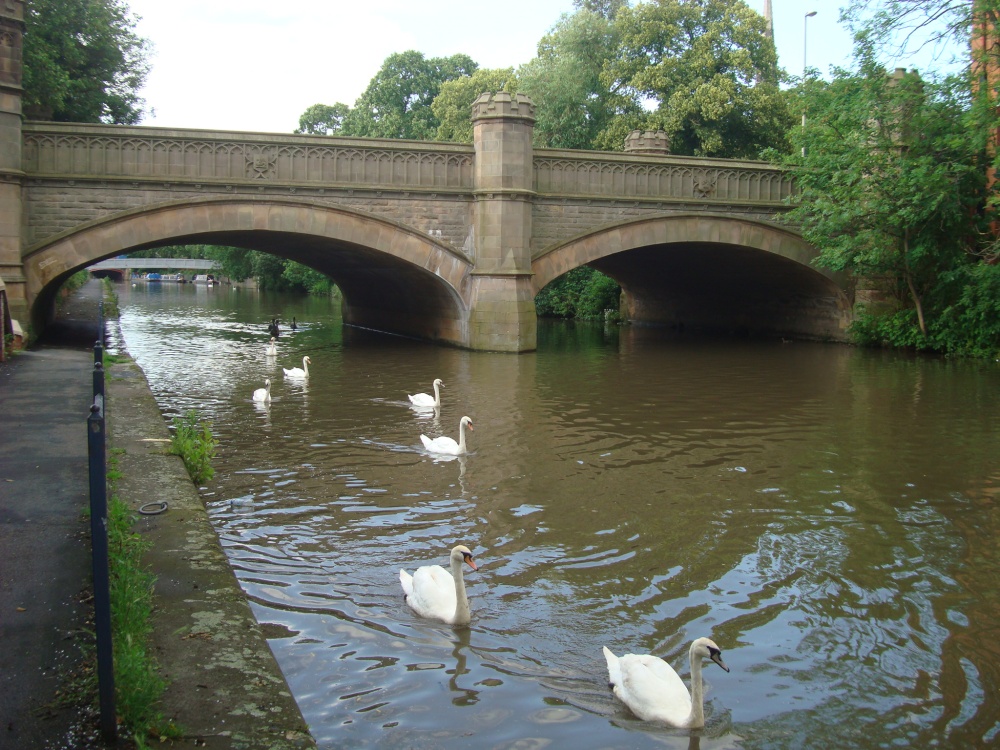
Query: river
(829, 516)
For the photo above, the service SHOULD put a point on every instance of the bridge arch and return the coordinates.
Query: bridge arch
(710, 272)
(393, 278)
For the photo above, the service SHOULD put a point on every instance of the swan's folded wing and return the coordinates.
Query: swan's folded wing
(433, 592)
(654, 690)
(406, 581)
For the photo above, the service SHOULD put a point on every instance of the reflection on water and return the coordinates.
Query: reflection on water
(828, 516)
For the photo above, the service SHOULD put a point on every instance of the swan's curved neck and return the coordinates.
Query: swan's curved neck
(437, 394)
(697, 716)
(462, 614)
(305, 365)
(461, 437)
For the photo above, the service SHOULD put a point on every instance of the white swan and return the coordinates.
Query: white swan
(651, 688)
(445, 444)
(435, 593)
(263, 395)
(272, 350)
(299, 372)
(424, 399)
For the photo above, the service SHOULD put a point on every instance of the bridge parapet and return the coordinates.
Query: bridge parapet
(596, 174)
(143, 154)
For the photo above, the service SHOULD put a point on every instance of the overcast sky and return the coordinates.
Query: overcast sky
(257, 65)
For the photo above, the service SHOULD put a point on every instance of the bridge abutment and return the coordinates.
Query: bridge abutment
(11, 174)
(501, 301)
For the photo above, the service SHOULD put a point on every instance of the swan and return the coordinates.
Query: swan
(263, 395)
(423, 399)
(272, 350)
(435, 593)
(294, 324)
(299, 372)
(651, 688)
(445, 444)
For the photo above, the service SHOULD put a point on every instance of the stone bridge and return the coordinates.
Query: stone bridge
(440, 241)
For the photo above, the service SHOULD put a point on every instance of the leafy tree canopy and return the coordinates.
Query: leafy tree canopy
(83, 62)
(397, 102)
(707, 71)
(453, 104)
(573, 107)
(323, 119)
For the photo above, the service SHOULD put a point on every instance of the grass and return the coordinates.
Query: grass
(194, 443)
(111, 309)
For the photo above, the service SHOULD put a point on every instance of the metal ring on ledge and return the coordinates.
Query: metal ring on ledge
(153, 509)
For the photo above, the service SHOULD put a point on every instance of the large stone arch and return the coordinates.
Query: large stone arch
(710, 272)
(393, 278)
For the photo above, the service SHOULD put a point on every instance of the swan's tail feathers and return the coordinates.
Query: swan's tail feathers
(614, 668)
(428, 443)
(406, 581)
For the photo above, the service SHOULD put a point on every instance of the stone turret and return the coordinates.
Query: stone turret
(654, 142)
(502, 317)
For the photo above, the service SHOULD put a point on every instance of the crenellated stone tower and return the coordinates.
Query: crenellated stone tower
(11, 175)
(502, 309)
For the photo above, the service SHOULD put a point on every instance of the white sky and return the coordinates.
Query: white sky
(257, 65)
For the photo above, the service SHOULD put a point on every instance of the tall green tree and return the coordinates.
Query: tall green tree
(573, 106)
(453, 104)
(890, 183)
(83, 62)
(705, 71)
(323, 119)
(397, 102)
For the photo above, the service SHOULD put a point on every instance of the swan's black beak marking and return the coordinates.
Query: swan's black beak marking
(472, 564)
(716, 656)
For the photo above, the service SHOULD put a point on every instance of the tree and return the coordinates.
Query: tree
(83, 62)
(705, 70)
(573, 106)
(890, 184)
(323, 119)
(397, 102)
(453, 104)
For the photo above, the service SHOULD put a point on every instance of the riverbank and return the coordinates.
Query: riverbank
(225, 689)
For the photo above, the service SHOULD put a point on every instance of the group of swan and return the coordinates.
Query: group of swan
(649, 686)
(443, 444)
(263, 395)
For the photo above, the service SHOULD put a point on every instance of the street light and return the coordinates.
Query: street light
(805, 66)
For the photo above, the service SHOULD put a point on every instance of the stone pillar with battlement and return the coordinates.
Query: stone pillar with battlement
(11, 36)
(502, 305)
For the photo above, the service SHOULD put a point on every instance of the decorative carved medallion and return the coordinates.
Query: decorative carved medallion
(704, 183)
(261, 163)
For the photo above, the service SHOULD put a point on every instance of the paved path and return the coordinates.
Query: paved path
(224, 687)
(45, 395)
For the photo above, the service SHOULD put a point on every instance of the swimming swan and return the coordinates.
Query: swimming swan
(263, 395)
(272, 350)
(299, 372)
(435, 593)
(423, 399)
(651, 688)
(445, 444)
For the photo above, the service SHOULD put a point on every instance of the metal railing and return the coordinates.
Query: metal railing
(97, 454)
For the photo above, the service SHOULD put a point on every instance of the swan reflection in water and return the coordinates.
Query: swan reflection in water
(462, 696)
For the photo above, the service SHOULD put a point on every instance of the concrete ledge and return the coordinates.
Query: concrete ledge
(225, 689)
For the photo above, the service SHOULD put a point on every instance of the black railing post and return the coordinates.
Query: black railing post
(96, 445)
(99, 343)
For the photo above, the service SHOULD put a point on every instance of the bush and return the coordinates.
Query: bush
(583, 293)
(194, 443)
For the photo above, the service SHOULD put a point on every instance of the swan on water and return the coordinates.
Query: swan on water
(299, 372)
(424, 399)
(435, 593)
(445, 444)
(651, 688)
(263, 395)
(272, 350)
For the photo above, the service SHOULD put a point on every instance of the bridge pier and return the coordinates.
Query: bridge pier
(501, 301)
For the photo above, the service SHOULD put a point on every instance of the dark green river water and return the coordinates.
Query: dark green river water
(829, 516)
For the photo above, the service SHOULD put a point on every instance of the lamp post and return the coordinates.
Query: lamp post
(805, 66)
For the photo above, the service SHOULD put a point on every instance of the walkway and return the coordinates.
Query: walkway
(224, 687)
